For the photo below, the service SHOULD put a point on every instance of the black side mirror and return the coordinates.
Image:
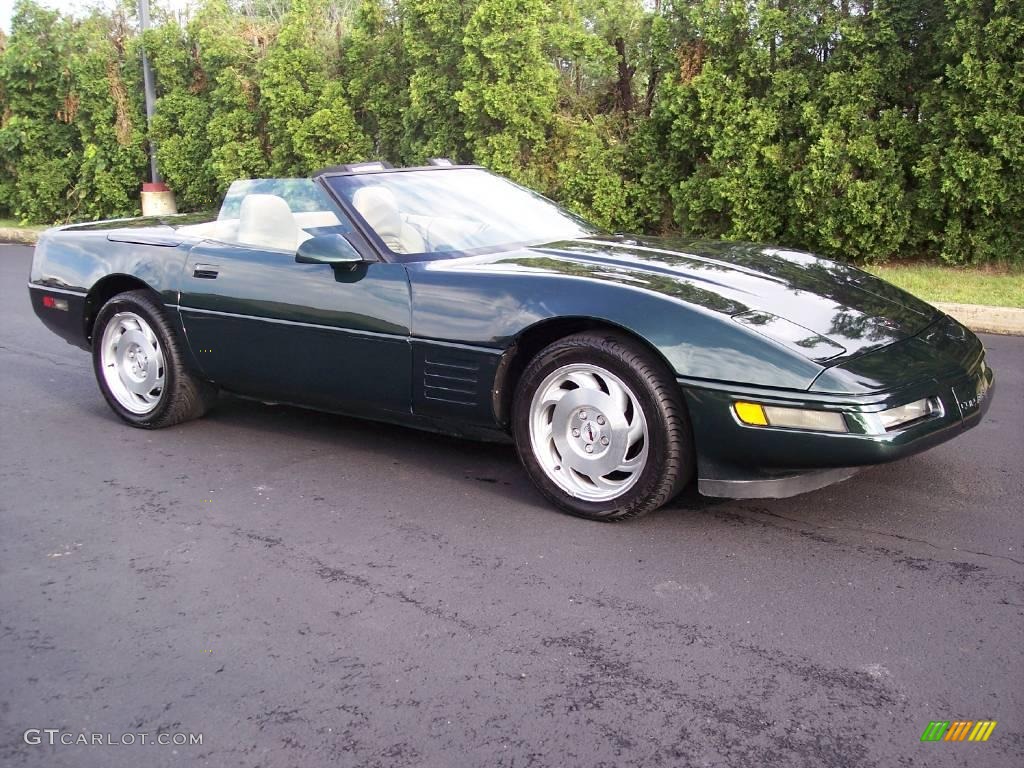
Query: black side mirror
(331, 249)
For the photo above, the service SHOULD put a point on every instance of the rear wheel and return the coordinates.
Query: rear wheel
(601, 428)
(139, 364)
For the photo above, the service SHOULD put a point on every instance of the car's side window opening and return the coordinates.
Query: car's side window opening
(273, 214)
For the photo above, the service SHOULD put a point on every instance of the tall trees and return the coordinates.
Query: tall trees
(309, 121)
(377, 74)
(851, 190)
(208, 127)
(38, 148)
(720, 145)
(859, 128)
(508, 89)
(183, 112)
(230, 49)
(103, 82)
(432, 38)
(972, 196)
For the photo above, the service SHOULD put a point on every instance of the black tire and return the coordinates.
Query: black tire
(184, 394)
(670, 463)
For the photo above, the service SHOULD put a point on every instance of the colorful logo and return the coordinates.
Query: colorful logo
(958, 730)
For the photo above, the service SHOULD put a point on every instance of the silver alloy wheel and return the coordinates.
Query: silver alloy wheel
(588, 432)
(133, 363)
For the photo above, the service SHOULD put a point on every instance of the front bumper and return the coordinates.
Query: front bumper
(740, 461)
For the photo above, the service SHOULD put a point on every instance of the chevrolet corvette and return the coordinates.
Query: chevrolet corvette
(450, 299)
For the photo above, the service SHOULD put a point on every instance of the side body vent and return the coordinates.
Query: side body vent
(448, 378)
(453, 382)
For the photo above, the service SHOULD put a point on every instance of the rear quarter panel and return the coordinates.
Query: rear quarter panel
(76, 263)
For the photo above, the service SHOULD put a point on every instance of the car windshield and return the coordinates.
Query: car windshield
(458, 210)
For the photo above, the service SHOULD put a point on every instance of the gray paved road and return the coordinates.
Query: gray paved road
(311, 590)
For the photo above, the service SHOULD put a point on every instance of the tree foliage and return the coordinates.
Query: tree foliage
(858, 128)
(508, 89)
(309, 122)
(39, 151)
(970, 172)
(377, 75)
(432, 35)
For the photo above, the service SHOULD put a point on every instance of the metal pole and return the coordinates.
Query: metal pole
(147, 80)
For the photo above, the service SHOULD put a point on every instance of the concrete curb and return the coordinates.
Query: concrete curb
(19, 235)
(1005, 320)
(977, 317)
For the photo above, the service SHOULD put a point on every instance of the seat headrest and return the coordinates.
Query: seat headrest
(377, 205)
(266, 221)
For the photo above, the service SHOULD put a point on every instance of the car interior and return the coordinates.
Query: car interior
(378, 206)
(265, 221)
(280, 214)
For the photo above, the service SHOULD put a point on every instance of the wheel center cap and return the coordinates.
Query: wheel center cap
(589, 431)
(138, 359)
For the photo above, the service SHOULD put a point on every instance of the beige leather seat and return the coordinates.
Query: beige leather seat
(377, 205)
(266, 221)
(313, 219)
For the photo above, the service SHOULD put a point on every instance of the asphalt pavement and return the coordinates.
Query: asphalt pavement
(303, 590)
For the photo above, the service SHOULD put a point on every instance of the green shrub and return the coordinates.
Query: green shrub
(509, 88)
(972, 197)
(39, 151)
(860, 130)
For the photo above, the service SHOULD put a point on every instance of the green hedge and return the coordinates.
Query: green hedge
(861, 130)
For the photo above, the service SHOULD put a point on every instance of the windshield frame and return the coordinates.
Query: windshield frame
(387, 255)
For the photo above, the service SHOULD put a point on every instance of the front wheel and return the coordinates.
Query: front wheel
(140, 367)
(601, 428)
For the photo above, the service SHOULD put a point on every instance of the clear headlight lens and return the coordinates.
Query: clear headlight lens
(758, 415)
(904, 414)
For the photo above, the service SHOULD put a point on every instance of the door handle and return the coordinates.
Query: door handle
(206, 271)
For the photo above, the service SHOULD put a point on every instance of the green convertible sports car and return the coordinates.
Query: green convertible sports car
(451, 299)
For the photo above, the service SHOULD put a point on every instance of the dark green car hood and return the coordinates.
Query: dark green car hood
(826, 310)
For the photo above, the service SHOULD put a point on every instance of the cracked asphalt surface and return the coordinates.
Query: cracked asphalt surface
(306, 590)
